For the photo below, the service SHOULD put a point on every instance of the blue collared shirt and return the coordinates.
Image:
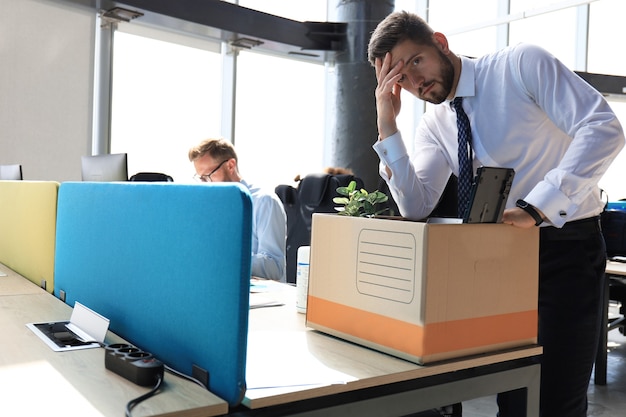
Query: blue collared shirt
(269, 234)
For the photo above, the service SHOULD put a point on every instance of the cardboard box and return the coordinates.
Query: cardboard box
(423, 292)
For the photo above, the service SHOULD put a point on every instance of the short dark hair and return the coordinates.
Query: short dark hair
(217, 148)
(395, 28)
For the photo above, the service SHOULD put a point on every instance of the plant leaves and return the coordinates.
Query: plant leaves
(341, 200)
(358, 202)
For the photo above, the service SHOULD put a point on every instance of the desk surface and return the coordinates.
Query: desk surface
(279, 343)
(12, 283)
(35, 380)
(286, 362)
(617, 268)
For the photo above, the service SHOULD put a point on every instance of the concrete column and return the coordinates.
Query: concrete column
(351, 81)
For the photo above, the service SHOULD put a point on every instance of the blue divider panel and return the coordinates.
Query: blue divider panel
(168, 264)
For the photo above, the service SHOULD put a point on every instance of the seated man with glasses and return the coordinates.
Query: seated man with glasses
(215, 160)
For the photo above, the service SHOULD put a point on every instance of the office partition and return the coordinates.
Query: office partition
(168, 264)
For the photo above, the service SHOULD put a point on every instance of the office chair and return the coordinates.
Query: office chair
(151, 177)
(314, 194)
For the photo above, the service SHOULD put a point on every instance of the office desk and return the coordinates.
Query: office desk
(616, 268)
(292, 370)
(11, 283)
(35, 380)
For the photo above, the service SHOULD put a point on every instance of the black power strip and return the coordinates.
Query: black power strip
(133, 364)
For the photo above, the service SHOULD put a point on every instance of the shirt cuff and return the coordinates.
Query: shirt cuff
(390, 149)
(556, 206)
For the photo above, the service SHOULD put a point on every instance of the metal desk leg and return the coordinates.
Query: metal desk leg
(601, 355)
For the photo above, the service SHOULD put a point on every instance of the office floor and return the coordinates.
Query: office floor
(604, 401)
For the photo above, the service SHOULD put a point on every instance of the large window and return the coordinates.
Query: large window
(166, 98)
(279, 114)
(613, 181)
(279, 124)
(167, 89)
(607, 33)
(472, 42)
(540, 30)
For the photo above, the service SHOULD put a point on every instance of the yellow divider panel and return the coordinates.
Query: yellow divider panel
(28, 212)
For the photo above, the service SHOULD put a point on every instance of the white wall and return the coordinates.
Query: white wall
(46, 78)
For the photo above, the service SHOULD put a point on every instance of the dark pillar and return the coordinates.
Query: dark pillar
(350, 93)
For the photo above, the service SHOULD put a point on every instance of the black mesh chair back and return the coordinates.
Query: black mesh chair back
(151, 177)
(314, 194)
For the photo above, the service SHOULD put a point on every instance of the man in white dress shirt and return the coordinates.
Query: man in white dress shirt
(528, 112)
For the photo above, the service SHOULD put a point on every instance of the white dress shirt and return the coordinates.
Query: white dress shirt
(527, 112)
(269, 234)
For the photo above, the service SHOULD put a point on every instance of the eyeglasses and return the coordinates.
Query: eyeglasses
(207, 177)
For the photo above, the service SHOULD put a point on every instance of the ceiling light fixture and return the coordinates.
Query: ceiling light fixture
(245, 43)
(118, 14)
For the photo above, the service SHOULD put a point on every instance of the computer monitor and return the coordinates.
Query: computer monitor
(104, 168)
(11, 172)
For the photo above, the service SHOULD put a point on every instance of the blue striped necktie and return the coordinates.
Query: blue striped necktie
(466, 171)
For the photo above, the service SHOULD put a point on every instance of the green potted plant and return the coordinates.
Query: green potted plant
(358, 202)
